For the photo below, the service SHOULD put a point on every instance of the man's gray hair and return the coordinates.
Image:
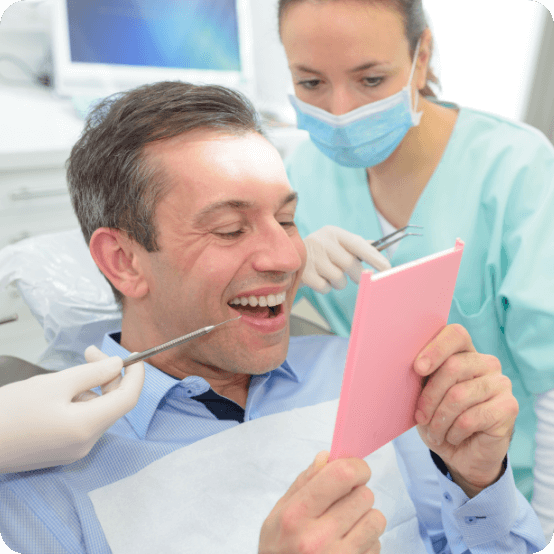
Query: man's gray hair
(111, 181)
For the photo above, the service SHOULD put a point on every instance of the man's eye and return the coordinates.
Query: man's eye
(287, 224)
(230, 235)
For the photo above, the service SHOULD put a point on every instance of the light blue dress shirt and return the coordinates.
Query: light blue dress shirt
(49, 512)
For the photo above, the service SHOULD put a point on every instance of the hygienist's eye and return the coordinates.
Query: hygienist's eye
(372, 81)
(309, 84)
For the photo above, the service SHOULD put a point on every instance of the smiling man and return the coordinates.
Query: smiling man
(189, 214)
(226, 245)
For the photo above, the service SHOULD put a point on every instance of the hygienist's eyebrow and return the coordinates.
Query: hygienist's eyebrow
(304, 69)
(362, 67)
(368, 65)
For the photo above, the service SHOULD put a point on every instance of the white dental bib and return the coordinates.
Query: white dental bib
(214, 495)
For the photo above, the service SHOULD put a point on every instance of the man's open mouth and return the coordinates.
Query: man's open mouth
(259, 306)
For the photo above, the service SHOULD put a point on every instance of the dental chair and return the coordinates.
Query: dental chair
(62, 286)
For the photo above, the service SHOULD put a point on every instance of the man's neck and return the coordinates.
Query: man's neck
(233, 386)
(178, 363)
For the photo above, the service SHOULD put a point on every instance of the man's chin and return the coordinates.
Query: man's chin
(256, 354)
(265, 362)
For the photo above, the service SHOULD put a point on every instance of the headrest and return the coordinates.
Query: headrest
(59, 281)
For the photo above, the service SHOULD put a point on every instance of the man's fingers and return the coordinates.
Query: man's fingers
(364, 536)
(458, 399)
(333, 482)
(319, 462)
(339, 519)
(451, 340)
(458, 368)
(495, 419)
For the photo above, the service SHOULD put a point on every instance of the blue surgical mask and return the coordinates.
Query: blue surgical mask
(366, 136)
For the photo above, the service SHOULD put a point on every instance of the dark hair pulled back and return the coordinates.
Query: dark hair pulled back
(412, 14)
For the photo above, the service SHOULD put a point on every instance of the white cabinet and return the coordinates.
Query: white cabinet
(37, 132)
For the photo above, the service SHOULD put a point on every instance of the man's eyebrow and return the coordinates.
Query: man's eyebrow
(220, 206)
(292, 197)
(235, 205)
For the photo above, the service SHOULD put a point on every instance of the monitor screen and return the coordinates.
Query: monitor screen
(105, 46)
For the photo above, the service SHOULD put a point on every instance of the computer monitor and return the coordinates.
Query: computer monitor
(106, 46)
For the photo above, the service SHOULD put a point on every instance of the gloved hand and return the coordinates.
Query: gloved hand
(55, 419)
(334, 252)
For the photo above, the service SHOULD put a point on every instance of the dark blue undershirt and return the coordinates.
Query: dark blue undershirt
(221, 407)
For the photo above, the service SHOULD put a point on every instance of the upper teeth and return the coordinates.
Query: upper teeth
(269, 300)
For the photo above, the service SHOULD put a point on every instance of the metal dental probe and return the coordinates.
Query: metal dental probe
(139, 356)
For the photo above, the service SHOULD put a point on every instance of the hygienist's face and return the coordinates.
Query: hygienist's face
(226, 231)
(343, 55)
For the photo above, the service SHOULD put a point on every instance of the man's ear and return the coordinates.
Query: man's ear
(116, 255)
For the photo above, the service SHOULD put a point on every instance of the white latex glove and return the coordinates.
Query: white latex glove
(55, 419)
(334, 253)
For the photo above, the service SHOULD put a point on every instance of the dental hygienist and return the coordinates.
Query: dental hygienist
(384, 153)
(50, 420)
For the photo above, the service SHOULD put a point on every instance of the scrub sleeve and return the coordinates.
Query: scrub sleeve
(494, 189)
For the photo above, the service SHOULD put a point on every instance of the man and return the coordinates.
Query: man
(189, 214)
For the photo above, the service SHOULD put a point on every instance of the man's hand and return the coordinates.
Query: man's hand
(328, 509)
(466, 412)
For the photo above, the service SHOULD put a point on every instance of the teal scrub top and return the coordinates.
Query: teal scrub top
(494, 189)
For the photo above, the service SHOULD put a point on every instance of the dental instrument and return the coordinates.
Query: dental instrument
(139, 356)
(8, 319)
(382, 243)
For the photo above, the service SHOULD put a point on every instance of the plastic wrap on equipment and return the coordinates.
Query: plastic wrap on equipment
(59, 281)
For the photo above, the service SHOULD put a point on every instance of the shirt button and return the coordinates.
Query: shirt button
(469, 520)
(447, 497)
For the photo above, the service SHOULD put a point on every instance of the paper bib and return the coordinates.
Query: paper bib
(214, 495)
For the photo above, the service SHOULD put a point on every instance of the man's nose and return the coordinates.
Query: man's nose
(277, 251)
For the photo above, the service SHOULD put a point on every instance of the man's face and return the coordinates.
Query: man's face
(227, 238)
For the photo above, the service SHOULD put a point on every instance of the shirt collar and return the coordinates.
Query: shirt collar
(288, 371)
(157, 384)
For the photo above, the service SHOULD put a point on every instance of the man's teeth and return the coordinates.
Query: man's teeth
(269, 300)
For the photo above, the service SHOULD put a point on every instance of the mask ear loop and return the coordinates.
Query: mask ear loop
(416, 116)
